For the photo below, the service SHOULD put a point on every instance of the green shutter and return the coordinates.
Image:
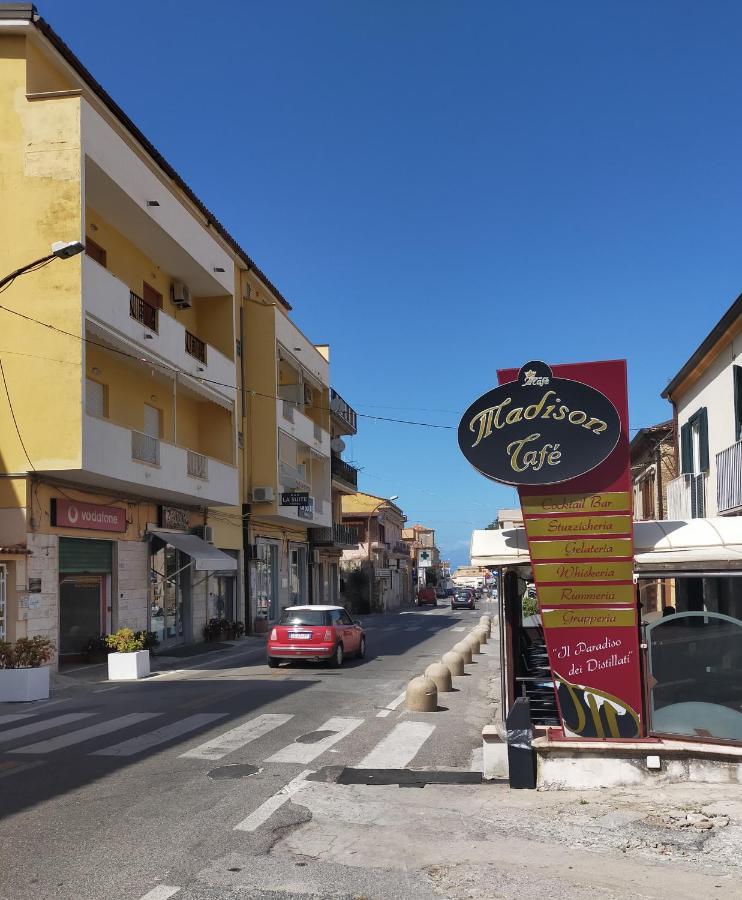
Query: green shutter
(737, 403)
(82, 557)
(686, 449)
(703, 440)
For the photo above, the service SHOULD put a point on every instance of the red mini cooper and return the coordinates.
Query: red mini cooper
(316, 632)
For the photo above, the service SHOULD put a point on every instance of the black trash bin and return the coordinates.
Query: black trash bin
(521, 755)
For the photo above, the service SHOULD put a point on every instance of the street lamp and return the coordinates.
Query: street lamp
(368, 543)
(60, 250)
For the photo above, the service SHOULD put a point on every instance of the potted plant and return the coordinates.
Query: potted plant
(128, 660)
(215, 628)
(96, 650)
(23, 675)
(150, 639)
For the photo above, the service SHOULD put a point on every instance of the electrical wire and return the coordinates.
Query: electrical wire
(12, 413)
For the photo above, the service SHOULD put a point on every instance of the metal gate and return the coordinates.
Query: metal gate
(3, 603)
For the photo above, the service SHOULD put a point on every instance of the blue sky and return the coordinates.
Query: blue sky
(442, 189)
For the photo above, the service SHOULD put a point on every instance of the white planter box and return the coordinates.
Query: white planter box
(22, 685)
(128, 666)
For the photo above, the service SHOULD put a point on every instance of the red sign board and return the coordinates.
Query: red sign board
(88, 516)
(579, 533)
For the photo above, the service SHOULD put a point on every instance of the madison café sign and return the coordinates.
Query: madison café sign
(567, 427)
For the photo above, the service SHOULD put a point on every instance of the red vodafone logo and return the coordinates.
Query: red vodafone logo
(88, 516)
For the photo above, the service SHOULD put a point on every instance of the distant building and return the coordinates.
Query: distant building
(424, 553)
(653, 466)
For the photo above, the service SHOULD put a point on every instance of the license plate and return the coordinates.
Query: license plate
(300, 635)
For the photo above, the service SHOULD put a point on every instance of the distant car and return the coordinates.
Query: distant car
(440, 593)
(450, 592)
(427, 595)
(463, 600)
(315, 632)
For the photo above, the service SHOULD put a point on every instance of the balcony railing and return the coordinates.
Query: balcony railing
(293, 477)
(142, 311)
(195, 346)
(729, 478)
(145, 448)
(335, 536)
(401, 548)
(344, 472)
(686, 497)
(198, 465)
(342, 410)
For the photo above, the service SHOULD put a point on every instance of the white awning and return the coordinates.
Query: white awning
(499, 547)
(663, 547)
(206, 558)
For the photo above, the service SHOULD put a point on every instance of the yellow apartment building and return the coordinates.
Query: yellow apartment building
(119, 430)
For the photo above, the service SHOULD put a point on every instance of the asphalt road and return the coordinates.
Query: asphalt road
(180, 785)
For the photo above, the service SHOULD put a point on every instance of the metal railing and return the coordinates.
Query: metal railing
(317, 433)
(686, 497)
(335, 535)
(401, 548)
(142, 311)
(195, 346)
(342, 410)
(344, 472)
(145, 448)
(293, 476)
(198, 465)
(729, 478)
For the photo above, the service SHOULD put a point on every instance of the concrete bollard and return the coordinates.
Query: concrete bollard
(441, 675)
(473, 642)
(486, 622)
(454, 662)
(422, 695)
(465, 650)
(481, 634)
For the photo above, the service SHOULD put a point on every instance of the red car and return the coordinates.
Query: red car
(316, 632)
(427, 595)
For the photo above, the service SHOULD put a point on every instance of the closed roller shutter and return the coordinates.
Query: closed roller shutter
(80, 557)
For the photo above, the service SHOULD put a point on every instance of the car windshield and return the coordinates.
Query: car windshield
(304, 617)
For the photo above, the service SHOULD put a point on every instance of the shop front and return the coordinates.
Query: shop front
(85, 572)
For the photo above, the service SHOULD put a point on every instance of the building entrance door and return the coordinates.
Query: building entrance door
(82, 612)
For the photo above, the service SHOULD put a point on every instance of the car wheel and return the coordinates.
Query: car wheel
(362, 649)
(272, 662)
(338, 656)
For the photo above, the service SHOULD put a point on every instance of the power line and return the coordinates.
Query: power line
(15, 421)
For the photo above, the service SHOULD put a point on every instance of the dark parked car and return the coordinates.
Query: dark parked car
(462, 600)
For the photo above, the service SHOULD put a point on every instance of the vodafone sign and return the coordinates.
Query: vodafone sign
(88, 516)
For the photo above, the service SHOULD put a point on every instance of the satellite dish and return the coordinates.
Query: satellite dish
(338, 445)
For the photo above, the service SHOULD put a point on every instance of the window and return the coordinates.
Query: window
(647, 489)
(95, 399)
(151, 296)
(152, 421)
(694, 444)
(95, 251)
(737, 403)
(344, 618)
(316, 617)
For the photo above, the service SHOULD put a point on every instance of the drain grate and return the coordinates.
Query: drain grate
(234, 771)
(401, 777)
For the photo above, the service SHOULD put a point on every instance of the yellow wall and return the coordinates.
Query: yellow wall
(261, 451)
(41, 203)
(130, 386)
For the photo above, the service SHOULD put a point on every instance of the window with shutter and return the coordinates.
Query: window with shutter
(95, 399)
(95, 251)
(737, 370)
(699, 441)
(686, 449)
(151, 296)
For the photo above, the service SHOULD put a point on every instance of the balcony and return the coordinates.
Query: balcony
(401, 548)
(345, 413)
(337, 535)
(143, 312)
(293, 478)
(344, 473)
(122, 459)
(292, 420)
(113, 309)
(729, 479)
(686, 497)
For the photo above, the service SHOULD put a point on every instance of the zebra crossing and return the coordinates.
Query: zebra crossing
(83, 732)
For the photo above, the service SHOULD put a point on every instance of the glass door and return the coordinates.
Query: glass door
(297, 575)
(3, 604)
(81, 612)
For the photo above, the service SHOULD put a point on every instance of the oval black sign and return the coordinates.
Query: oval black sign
(539, 429)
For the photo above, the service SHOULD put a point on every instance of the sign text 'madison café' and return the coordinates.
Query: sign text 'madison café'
(567, 426)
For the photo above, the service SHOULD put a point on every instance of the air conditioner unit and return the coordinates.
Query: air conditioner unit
(205, 532)
(180, 294)
(315, 556)
(262, 494)
(308, 395)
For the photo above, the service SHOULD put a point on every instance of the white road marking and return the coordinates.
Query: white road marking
(35, 727)
(459, 628)
(159, 735)
(15, 717)
(237, 737)
(305, 753)
(161, 892)
(266, 810)
(84, 734)
(399, 747)
(390, 707)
